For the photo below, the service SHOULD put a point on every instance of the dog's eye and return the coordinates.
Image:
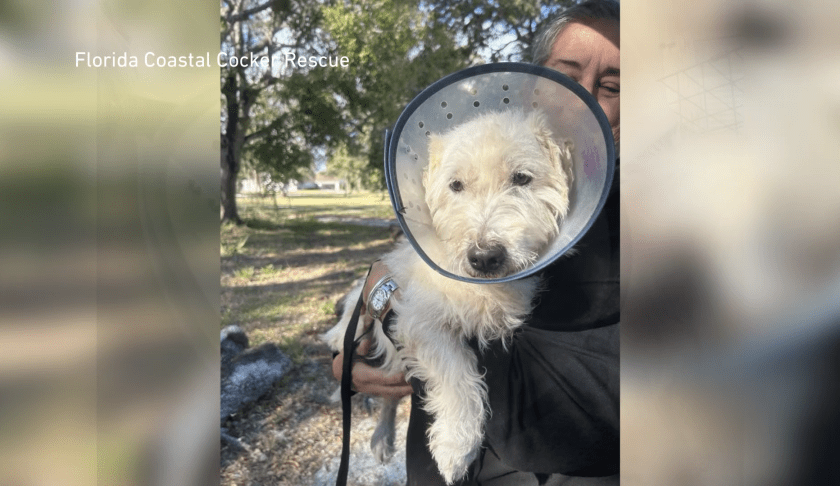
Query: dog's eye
(520, 179)
(456, 186)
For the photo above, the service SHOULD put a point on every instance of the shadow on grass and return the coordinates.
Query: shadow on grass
(261, 224)
(305, 259)
(303, 232)
(300, 243)
(288, 292)
(279, 277)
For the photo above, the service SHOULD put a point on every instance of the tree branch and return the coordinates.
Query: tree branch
(262, 132)
(248, 12)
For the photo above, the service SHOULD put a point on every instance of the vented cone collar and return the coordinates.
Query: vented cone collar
(572, 113)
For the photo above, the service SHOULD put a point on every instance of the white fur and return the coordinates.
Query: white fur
(436, 315)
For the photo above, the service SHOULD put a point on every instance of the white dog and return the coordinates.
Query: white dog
(496, 188)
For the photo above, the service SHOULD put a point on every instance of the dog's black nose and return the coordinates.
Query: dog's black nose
(487, 260)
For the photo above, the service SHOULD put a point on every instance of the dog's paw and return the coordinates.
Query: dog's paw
(336, 396)
(382, 443)
(382, 448)
(453, 463)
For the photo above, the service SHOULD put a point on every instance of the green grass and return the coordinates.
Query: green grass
(283, 271)
(244, 272)
(313, 205)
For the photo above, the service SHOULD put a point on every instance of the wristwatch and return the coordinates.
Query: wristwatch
(380, 295)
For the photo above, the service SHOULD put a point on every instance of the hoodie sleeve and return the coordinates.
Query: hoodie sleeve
(554, 399)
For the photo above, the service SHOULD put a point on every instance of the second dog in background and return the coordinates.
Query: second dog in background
(497, 188)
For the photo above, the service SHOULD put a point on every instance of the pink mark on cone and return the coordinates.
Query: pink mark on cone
(591, 162)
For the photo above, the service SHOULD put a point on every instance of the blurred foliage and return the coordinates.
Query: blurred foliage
(495, 31)
(353, 169)
(394, 48)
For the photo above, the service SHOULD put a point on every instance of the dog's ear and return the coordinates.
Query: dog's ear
(436, 146)
(559, 155)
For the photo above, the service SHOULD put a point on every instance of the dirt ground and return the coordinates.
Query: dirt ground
(281, 277)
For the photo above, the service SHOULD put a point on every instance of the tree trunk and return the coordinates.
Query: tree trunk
(228, 188)
(232, 141)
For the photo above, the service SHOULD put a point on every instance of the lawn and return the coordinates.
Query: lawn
(317, 204)
(283, 271)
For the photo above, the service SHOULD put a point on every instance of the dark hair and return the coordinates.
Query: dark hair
(589, 10)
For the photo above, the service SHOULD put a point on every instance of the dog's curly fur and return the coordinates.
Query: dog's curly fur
(496, 187)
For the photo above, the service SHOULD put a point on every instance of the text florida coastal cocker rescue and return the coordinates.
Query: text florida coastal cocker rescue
(286, 60)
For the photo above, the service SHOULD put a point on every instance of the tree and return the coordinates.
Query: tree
(275, 117)
(254, 93)
(501, 30)
(395, 49)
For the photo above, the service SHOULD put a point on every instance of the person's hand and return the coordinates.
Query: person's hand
(370, 380)
(367, 379)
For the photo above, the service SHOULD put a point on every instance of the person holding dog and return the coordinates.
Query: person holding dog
(554, 392)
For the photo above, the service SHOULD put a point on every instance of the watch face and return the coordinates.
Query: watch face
(379, 299)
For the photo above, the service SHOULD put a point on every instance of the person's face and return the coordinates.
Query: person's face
(588, 53)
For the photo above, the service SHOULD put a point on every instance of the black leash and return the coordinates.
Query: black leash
(346, 392)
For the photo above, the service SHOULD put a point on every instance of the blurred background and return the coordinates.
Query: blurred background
(109, 293)
(730, 242)
(110, 244)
